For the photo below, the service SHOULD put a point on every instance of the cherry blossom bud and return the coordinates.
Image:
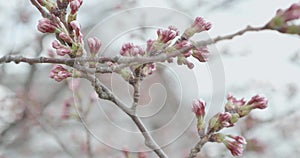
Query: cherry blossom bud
(149, 45)
(233, 105)
(233, 100)
(201, 54)
(165, 36)
(238, 139)
(59, 73)
(63, 51)
(75, 5)
(199, 107)
(258, 102)
(56, 44)
(199, 25)
(219, 121)
(65, 37)
(94, 45)
(199, 110)
(236, 147)
(281, 21)
(129, 49)
(46, 26)
(76, 27)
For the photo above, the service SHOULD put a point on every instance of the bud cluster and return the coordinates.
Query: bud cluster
(283, 20)
(234, 109)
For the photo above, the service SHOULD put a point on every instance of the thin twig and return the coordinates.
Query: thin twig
(104, 93)
(136, 93)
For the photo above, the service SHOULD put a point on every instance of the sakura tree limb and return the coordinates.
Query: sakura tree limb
(126, 61)
(104, 93)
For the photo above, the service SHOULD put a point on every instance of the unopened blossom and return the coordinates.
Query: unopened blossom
(292, 13)
(76, 27)
(59, 73)
(258, 102)
(220, 121)
(199, 107)
(199, 110)
(282, 21)
(45, 25)
(149, 45)
(75, 5)
(61, 49)
(94, 45)
(233, 104)
(233, 100)
(167, 35)
(201, 54)
(236, 147)
(65, 37)
(129, 49)
(199, 25)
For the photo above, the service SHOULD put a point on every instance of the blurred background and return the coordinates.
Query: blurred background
(42, 118)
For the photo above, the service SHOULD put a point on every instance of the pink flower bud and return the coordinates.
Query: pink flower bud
(201, 54)
(199, 107)
(199, 25)
(165, 36)
(234, 101)
(258, 102)
(236, 147)
(46, 26)
(292, 13)
(76, 27)
(59, 73)
(149, 45)
(65, 37)
(63, 51)
(56, 44)
(94, 45)
(129, 49)
(75, 5)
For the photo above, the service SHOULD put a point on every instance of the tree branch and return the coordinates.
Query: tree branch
(104, 93)
(124, 61)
